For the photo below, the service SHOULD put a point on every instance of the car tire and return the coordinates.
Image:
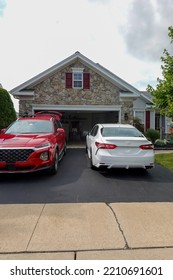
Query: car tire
(54, 168)
(91, 162)
(65, 149)
(148, 167)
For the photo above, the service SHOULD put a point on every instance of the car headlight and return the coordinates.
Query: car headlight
(44, 156)
(42, 146)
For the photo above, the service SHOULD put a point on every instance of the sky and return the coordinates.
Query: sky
(125, 36)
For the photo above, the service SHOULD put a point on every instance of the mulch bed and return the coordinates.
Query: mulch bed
(164, 147)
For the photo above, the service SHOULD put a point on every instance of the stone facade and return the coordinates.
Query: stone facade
(53, 91)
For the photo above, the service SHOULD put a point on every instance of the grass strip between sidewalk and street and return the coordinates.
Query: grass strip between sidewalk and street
(165, 160)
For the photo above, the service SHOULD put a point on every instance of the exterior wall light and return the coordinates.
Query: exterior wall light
(126, 117)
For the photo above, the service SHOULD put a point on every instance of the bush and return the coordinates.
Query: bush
(137, 123)
(7, 111)
(160, 142)
(152, 135)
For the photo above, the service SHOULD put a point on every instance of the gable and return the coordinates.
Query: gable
(58, 89)
(77, 59)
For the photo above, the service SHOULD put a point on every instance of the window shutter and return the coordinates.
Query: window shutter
(147, 120)
(68, 80)
(86, 80)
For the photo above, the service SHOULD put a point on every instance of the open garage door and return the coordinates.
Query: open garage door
(78, 124)
(79, 119)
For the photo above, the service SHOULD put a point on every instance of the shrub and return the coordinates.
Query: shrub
(137, 123)
(160, 142)
(152, 135)
(7, 111)
(171, 141)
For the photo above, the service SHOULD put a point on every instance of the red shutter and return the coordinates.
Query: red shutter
(86, 80)
(147, 120)
(68, 80)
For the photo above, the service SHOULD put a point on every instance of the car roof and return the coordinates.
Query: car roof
(116, 125)
(48, 118)
(43, 115)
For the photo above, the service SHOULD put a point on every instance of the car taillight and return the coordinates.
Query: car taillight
(105, 146)
(147, 147)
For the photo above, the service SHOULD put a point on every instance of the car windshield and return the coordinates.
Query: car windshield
(30, 127)
(120, 132)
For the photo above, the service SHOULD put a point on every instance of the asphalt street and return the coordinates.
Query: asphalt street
(75, 182)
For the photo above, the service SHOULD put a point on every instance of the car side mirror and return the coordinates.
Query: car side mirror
(60, 131)
(3, 130)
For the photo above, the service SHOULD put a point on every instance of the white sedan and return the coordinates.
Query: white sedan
(119, 146)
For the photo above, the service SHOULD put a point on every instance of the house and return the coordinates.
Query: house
(86, 93)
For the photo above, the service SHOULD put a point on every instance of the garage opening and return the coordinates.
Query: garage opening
(78, 124)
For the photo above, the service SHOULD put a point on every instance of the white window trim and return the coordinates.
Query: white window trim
(77, 70)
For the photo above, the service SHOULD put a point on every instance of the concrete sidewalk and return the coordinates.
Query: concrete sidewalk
(163, 151)
(86, 231)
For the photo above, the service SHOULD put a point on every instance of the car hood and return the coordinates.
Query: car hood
(23, 140)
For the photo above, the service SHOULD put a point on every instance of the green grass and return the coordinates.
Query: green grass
(165, 159)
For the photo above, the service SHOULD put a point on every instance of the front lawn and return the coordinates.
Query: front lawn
(165, 160)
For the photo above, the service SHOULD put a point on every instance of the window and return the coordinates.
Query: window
(57, 124)
(94, 131)
(30, 127)
(157, 121)
(120, 132)
(140, 116)
(77, 79)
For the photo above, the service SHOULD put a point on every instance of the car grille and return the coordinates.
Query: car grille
(13, 155)
(12, 167)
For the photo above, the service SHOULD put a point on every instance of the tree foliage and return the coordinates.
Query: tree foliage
(7, 111)
(163, 93)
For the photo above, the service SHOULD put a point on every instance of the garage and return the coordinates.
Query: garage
(77, 124)
(78, 120)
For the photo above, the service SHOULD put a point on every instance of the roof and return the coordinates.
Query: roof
(120, 83)
(147, 96)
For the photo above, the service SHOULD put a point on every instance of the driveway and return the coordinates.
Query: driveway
(76, 182)
(35, 206)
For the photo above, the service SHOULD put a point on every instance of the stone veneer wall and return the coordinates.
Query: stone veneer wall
(127, 107)
(53, 91)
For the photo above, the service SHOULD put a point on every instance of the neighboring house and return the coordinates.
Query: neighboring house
(86, 93)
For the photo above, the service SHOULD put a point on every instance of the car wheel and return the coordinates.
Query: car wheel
(91, 161)
(148, 167)
(65, 149)
(54, 168)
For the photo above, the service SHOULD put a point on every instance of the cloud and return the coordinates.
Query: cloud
(146, 29)
(2, 6)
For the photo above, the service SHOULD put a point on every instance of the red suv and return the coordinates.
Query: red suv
(33, 143)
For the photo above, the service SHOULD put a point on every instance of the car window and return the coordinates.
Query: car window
(94, 130)
(120, 132)
(30, 126)
(57, 124)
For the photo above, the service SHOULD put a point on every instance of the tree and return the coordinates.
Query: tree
(7, 111)
(163, 94)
